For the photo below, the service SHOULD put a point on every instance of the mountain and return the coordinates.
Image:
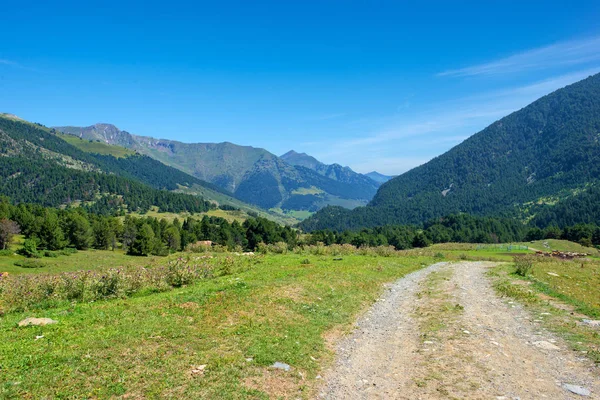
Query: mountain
(379, 178)
(546, 152)
(252, 174)
(334, 171)
(37, 166)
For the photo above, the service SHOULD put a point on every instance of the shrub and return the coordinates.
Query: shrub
(52, 254)
(67, 251)
(306, 261)
(226, 267)
(278, 248)
(523, 265)
(385, 251)
(29, 248)
(30, 264)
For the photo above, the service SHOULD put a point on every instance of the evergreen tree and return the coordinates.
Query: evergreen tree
(144, 242)
(78, 231)
(51, 235)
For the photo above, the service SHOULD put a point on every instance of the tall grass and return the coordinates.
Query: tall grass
(24, 292)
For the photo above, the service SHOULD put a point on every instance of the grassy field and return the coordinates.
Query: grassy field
(96, 147)
(233, 215)
(560, 245)
(562, 294)
(214, 339)
(473, 251)
(82, 260)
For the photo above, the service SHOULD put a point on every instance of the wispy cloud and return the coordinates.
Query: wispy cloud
(557, 55)
(409, 141)
(8, 62)
(15, 64)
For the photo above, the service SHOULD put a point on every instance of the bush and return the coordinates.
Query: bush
(523, 265)
(278, 248)
(30, 264)
(7, 252)
(67, 251)
(52, 254)
(306, 261)
(29, 248)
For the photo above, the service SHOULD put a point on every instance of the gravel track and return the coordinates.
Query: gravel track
(491, 349)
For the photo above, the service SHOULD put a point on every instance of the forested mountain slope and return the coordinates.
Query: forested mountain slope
(333, 171)
(252, 174)
(549, 149)
(38, 166)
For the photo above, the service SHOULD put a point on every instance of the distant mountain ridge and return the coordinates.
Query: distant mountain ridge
(379, 178)
(252, 174)
(528, 161)
(332, 171)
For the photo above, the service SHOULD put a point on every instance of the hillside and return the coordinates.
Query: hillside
(38, 166)
(379, 178)
(544, 153)
(333, 171)
(251, 174)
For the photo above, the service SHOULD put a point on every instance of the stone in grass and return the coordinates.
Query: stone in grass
(591, 322)
(576, 389)
(281, 365)
(37, 321)
(198, 369)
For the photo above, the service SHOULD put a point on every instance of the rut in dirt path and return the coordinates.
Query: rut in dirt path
(442, 332)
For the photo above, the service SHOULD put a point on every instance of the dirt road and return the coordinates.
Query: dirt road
(442, 332)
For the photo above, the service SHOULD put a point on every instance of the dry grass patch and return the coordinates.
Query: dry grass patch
(275, 383)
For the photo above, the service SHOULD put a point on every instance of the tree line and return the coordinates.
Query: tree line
(52, 229)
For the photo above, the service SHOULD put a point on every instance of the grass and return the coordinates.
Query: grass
(299, 214)
(562, 293)
(277, 308)
(86, 259)
(276, 215)
(96, 147)
(310, 190)
(561, 245)
(433, 314)
(230, 216)
(474, 252)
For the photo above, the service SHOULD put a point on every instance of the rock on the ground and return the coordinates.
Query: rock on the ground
(280, 365)
(576, 389)
(37, 321)
(542, 344)
(591, 322)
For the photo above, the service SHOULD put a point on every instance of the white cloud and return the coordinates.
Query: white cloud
(16, 65)
(407, 142)
(8, 62)
(557, 55)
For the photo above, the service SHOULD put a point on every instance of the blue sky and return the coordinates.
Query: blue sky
(376, 85)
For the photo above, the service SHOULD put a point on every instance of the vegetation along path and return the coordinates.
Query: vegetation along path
(442, 332)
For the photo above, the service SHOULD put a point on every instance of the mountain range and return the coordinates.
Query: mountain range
(525, 165)
(540, 164)
(251, 174)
